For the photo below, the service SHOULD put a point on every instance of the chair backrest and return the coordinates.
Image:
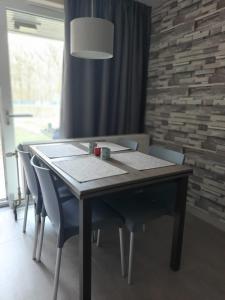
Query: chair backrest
(49, 194)
(166, 154)
(30, 176)
(133, 145)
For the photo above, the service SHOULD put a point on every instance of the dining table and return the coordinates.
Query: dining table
(97, 184)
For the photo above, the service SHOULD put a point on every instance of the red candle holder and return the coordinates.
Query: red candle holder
(97, 151)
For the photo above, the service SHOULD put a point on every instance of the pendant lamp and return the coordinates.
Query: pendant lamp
(91, 38)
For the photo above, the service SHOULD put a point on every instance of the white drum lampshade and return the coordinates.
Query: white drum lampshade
(91, 38)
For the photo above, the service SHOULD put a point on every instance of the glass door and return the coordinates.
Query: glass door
(31, 55)
(35, 55)
(2, 172)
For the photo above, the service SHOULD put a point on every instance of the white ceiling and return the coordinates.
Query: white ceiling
(152, 3)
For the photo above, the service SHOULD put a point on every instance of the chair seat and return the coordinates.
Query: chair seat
(151, 203)
(62, 189)
(64, 195)
(136, 213)
(102, 217)
(64, 192)
(70, 209)
(162, 196)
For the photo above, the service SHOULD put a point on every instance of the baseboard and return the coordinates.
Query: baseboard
(205, 216)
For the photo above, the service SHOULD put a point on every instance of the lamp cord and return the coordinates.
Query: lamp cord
(92, 8)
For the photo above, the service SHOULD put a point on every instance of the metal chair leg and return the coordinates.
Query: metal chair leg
(122, 252)
(41, 239)
(57, 270)
(98, 237)
(144, 228)
(25, 213)
(131, 256)
(93, 236)
(37, 224)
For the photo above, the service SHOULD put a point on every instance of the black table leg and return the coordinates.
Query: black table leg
(178, 227)
(85, 250)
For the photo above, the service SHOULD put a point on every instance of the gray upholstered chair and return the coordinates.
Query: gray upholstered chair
(64, 216)
(150, 204)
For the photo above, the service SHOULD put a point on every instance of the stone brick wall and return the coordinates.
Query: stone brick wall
(186, 94)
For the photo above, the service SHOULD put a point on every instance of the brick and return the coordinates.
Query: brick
(186, 93)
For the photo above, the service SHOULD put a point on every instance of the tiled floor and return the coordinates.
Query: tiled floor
(202, 276)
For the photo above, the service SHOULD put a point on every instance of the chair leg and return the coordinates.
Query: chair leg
(144, 228)
(41, 239)
(131, 256)
(34, 209)
(122, 252)
(25, 213)
(98, 237)
(57, 270)
(37, 224)
(93, 236)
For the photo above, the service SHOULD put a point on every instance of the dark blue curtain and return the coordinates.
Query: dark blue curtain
(107, 97)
